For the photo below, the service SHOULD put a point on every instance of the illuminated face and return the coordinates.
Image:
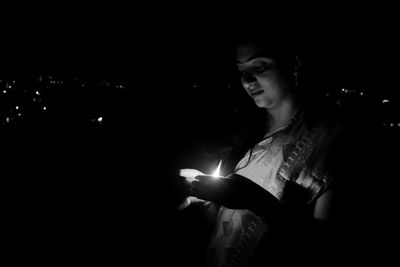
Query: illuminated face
(262, 77)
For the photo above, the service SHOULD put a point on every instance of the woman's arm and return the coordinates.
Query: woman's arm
(238, 192)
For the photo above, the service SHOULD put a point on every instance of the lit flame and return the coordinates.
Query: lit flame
(216, 172)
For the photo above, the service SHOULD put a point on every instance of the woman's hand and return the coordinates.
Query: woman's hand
(234, 191)
(190, 175)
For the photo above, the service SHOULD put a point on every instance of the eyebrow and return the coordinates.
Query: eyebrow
(256, 55)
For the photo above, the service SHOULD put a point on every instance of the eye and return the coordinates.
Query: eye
(261, 68)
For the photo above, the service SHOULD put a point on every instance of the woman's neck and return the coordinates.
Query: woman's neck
(282, 114)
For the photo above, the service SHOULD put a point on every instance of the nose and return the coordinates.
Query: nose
(248, 79)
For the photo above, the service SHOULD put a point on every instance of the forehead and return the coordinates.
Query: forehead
(247, 52)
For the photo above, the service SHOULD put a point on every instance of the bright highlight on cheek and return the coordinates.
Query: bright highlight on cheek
(216, 173)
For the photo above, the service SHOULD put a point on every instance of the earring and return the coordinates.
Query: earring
(296, 79)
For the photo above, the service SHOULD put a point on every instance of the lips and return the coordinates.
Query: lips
(256, 92)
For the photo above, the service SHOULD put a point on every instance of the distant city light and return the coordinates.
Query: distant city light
(31, 100)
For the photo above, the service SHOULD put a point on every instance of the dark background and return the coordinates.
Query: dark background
(80, 190)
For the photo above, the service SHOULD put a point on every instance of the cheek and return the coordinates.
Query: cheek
(268, 85)
(275, 85)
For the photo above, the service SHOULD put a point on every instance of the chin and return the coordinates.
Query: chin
(262, 103)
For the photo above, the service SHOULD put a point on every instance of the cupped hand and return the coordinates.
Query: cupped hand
(189, 175)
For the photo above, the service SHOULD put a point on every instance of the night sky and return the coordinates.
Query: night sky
(344, 44)
(83, 187)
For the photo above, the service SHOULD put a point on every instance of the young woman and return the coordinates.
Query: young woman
(278, 202)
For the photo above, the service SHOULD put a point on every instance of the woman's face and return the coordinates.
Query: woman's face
(261, 76)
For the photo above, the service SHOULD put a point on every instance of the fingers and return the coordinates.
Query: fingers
(200, 185)
(190, 174)
(188, 201)
(184, 204)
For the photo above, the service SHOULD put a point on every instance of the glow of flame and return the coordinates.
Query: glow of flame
(216, 172)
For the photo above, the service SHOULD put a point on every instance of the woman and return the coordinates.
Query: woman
(280, 194)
